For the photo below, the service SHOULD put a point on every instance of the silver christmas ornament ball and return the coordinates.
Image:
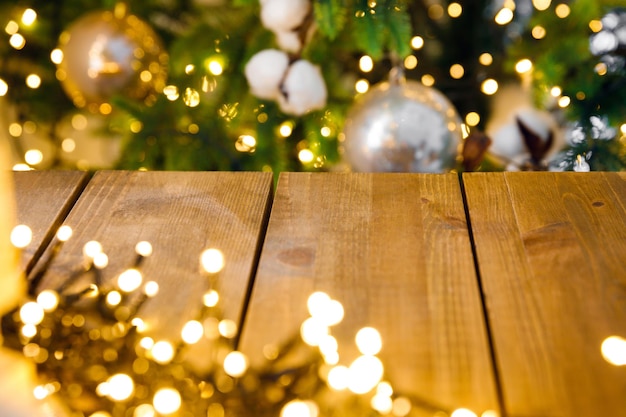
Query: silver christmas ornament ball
(402, 126)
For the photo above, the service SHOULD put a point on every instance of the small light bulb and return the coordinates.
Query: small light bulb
(167, 401)
(212, 260)
(235, 364)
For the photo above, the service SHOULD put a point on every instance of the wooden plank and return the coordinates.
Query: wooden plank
(395, 250)
(43, 199)
(551, 249)
(180, 214)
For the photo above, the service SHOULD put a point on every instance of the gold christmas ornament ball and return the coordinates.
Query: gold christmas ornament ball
(402, 126)
(107, 53)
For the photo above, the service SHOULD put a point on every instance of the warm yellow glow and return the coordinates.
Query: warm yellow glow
(33, 157)
(316, 302)
(211, 298)
(601, 69)
(614, 350)
(92, 248)
(381, 403)
(29, 16)
(64, 233)
(101, 260)
(428, 80)
(136, 126)
(556, 91)
(455, 10)
(410, 62)
(562, 10)
(366, 63)
(384, 388)
(4, 88)
(113, 298)
(306, 156)
(129, 280)
(167, 401)
(56, 56)
(11, 27)
(144, 410)
(29, 330)
(401, 407)
(171, 92)
(192, 332)
(338, 378)
(191, 97)
(21, 236)
(417, 42)
(523, 65)
(541, 5)
(361, 86)
(489, 86)
(435, 11)
(48, 300)
(121, 387)
(490, 413)
(457, 71)
(162, 352)
(538, 32)
(215, 67)
(326, 131)
(31, 313)
(622, 129)
(146, 343)
(151, 288)
(313, 331)
(365, 372)
(286, 129)
(595, 26)
(139, 324)
(322, 308)
(564, 101)
(33, 81)
(368, 341)
(143, 248)
(212, 260)
(504, 16)
(189, 69)
(472, 119)
(463, 412)
(68, 145)
(298, 408)
(245, 143)
(227, 328)
(235, 364)
(17, 41)
(21, 167)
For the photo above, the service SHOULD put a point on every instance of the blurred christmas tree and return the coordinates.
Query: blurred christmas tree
(174, 93)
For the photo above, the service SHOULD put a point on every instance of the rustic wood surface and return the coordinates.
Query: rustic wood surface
(43, 200)
(395, 250)
(180, 214)
(551, 249)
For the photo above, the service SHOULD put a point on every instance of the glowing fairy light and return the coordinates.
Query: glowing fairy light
(365, 372)
(191, 97)
(455, 10)
(564, 101)
(17, 41)
(556, 91)
(338, 378)
(381, 403)
(504, 16)
(139, 324)
(538, 32)
(523, 66)
(457, 71)
(4, 88)
(306, 156)
(316, 303)
(212, 260)
(33, 81)
(410, 62)
(171, 92)
(144, 410)
(29, 330)
(92, 248)
(361, 86)
(227, 328)
(211, 298)
(21, 236)
(384, 388)
(146, 343)
(366, 63)
(56, 56)
(192, 332)
(113, 298)
(313, 331)
(48, 300)
(614, 350)
(401, 407)
(472, 119)
(143, 248)
(29, 16)
(489, 86)
(286, 129)
(368, 341)
(64, 233)
(151, 288)
(129, 280)
(428, 80)
(324, 309)
(562, 10)
(417, 42)
(490, 413)
(595, 25)
(33, 157)
(162, 352)
(11, 27)
(298, 408)
(463, 412)
(101, 260)
(539, 5)
(485, 59)
(167, 401)
(121, 387)
(31, 313)
(235, 364)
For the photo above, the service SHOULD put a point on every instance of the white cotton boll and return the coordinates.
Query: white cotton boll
(303, 90)
(508, 141)
(288, 41)
(265, 71)
(283, 15)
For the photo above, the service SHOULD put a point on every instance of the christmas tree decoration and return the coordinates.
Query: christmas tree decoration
(402, 126)
(104, 54)
(610, 42)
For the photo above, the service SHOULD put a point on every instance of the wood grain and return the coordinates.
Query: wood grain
(180, 214)
(395, 250)
(43, 200)
(551, 249)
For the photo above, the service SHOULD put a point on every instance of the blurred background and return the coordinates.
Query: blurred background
(283, 85)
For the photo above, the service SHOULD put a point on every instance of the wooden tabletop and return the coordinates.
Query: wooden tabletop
(492, 291)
